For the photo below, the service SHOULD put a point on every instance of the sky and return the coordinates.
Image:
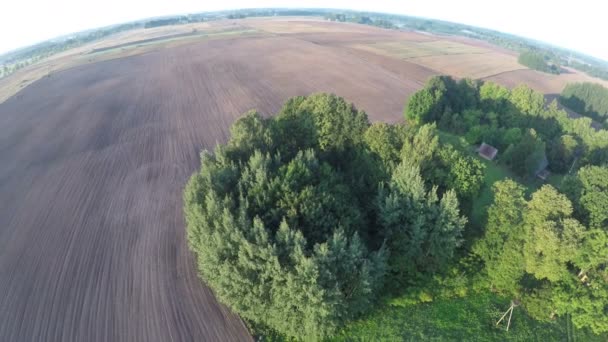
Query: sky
(577, 26)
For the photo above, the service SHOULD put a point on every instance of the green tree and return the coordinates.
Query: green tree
(337, 122)
(461, 173)
(588, 189)
(512, 136)
(501, 246)
(385, 141)
(475, 134)
(494, 97)
(294, 128)
(420, 107)
(421, 147)
(525, 157)
(250, 133)
(440, 95)
(422, 230)
(562, 152)
(528, 101)
(553, 237)
(585, 296)
(467, 95)
(535, 250)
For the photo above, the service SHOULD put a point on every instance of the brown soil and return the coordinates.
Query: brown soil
(93, 161)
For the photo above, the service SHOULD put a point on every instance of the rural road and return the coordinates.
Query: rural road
(93, 161)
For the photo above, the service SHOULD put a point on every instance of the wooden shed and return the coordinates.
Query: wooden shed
(487, 151)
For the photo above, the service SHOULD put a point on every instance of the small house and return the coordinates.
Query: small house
(487, 151)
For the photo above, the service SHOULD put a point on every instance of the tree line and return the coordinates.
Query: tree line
(538, 61)
(518, 122)
(589, 99)
(591, 69)
(373, 19)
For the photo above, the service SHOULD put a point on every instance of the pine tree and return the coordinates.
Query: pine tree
(422, 231)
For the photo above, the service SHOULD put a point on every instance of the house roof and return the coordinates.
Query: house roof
(543, 174)
(487, 151)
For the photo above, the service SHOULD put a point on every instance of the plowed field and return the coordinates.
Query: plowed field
(92, 164)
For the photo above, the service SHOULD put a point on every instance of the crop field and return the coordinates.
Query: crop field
(405, 50)
(548, 84)
(470, 65)
(92, 245)
(282, 26)
(95, 149)
(122, 50)
(121, 45)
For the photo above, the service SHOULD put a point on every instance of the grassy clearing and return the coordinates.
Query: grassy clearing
(494, 172)
(471, 318)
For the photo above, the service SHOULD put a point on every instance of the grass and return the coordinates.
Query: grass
(555, 180)
(470, 318)
(494, 172)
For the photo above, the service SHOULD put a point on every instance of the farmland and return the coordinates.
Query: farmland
(546, 83)
(91, 181)
(405, 50)
(96, 144)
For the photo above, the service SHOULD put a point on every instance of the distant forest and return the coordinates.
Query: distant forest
(15, 60)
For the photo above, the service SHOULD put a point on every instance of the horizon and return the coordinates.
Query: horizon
(425, 12)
